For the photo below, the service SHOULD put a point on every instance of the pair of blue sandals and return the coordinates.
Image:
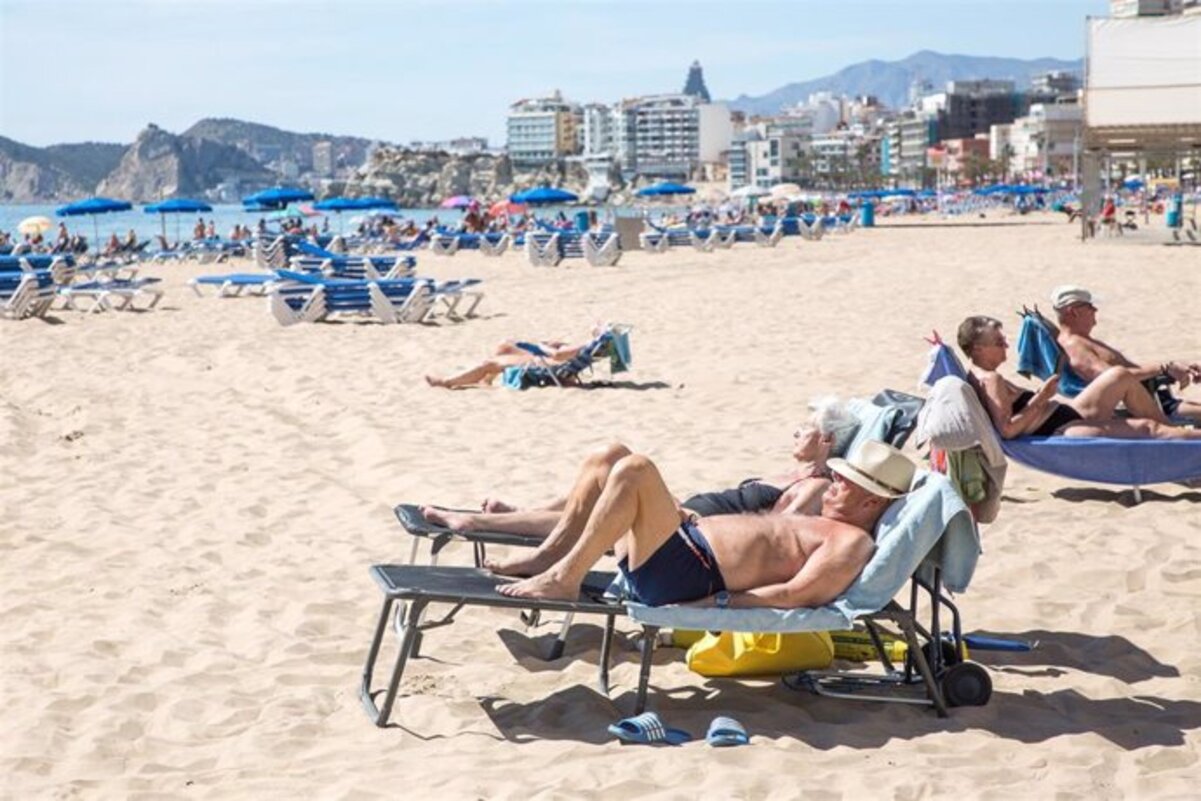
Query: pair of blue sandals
(647, 729)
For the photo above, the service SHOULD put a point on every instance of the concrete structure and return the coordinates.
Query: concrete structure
(542, 129)
(740, 170)
(1144, 8)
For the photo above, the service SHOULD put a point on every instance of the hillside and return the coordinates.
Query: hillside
(890, 80)
(160, 164)
(255, 138)
(31, 175)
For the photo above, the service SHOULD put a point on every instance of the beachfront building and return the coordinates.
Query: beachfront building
(960, 162)
(539, 130)
(910, 137)
(773, 159)
(669, 136)
(1043, 144)
(739, 169)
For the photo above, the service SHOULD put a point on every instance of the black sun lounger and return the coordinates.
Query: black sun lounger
(439, 537)
(417, 586)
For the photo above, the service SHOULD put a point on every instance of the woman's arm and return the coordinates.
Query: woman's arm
(998, 394)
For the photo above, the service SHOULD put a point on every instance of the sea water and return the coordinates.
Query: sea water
(224, 217)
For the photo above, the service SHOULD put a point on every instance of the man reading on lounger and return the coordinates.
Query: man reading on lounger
(1076, 311)
(775, 560)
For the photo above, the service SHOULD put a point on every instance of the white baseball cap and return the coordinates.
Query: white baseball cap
(1064, 296)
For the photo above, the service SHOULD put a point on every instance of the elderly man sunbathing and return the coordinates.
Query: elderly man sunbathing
(1076, 310)
(777, 560)
(797, 489)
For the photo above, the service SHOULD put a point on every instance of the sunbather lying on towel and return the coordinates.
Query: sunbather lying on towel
(1017, 412)
(668, 556)
(1076, 312)
(796, 490)
(508, 354)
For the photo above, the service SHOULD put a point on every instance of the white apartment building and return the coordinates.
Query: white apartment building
(773, 159)
(1045, 142)
(542, 129)
(670, 135)
(599, 130)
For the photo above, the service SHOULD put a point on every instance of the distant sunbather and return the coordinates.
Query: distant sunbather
(668, 556)
(796, 490)
(1016, 412)
(508, 354)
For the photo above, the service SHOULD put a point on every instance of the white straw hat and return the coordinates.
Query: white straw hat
(879, 468)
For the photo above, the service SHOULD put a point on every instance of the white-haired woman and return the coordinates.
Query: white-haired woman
(797, 490)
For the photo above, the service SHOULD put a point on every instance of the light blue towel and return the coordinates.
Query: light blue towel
(929, 526)
(620, 358)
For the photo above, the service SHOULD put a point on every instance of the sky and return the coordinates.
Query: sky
(404, 70)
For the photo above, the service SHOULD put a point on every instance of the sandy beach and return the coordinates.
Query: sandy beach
(191, 498)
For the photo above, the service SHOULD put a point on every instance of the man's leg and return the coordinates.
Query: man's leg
(634, 500)
(1100, 398)
(594, 472)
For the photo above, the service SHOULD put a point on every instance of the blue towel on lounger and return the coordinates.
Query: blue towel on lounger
(1039, 355)
(929, 526)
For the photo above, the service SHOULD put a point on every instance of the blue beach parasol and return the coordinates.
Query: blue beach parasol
(176, 206)
(277, 197)
(543, 195)
(664, 189)
(91, 207)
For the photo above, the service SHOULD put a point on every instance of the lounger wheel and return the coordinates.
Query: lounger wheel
(966, 684)
(950, 657)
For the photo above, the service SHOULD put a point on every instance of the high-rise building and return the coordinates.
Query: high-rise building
(669, 136)
(542, 129)
(695, 83)
(323, 158)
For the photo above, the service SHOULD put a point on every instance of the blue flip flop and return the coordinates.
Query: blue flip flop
(725, 732)
(647, 729)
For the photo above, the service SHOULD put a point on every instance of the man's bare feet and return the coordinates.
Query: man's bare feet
(543, 585)
(434, 381)
(455, 521)
(528, 564)
(494, 505)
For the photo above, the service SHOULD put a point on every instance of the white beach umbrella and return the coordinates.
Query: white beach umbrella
(749, 191)
(785, 191)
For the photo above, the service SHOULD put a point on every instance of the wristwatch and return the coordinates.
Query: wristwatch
(722, 600)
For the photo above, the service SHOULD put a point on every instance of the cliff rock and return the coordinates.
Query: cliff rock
(33, 175)
(422, 179)
(160, 164)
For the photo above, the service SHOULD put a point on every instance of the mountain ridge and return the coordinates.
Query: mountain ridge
(889, 81)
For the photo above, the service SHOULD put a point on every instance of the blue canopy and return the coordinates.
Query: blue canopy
(277, 197)
(543, 194)
(179, 205)
(665, 188)
(1133, 184)
(93, 205)
(339, 204)
(377, 203)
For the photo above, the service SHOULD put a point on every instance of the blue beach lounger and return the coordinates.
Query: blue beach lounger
(232, 285)
(1127, 462)
(926, 540)
(302, 297)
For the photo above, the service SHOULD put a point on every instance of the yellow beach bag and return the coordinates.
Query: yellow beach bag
(737, 653)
